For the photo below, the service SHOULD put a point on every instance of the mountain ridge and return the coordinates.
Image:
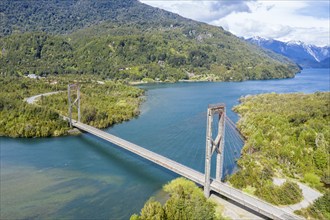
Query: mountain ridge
(126, 40)
(67, 16)
(306, 55)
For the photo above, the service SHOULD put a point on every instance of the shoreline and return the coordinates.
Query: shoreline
(135, 83)
(72, 131)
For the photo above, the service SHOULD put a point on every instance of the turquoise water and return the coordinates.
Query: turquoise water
(84, 177)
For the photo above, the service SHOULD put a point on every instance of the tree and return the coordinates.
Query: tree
(152, 210)
(285, 134)
(186, 202)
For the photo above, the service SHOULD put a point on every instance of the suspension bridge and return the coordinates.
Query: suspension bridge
(215, 144)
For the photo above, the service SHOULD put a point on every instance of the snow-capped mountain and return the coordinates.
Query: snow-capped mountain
(305, 55)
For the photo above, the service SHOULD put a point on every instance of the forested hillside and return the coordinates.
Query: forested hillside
(125, 40)
(61, 16)
(287, 135)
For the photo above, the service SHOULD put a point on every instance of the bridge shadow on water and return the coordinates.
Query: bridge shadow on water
(131, 163)
(144, 169)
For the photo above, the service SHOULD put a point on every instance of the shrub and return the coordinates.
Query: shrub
(320, 209)
(286, 194)
(186, 202)
(312, 179)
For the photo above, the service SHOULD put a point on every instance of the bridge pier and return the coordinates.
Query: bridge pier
(76, 102)
(220, 148)
(212, 145)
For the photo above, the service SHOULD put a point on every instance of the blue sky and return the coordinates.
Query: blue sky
(285, 20)
(319, 9)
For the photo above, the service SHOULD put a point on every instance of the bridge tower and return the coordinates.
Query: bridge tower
(214, 145)
(76, 102)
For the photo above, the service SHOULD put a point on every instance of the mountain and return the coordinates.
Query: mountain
(325, 63)
(305, 55)
(125, 40)
(66, 16)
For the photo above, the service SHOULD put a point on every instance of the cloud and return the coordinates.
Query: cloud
(281, 20)
(220, 9)
(302, 20)
(318, 9)
(270, 7)
(250, 28)
(320, 38)
(206, 11)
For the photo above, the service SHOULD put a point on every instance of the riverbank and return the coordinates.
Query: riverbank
(84, 177)
(286, 136)
(103, 105)
(134, 83)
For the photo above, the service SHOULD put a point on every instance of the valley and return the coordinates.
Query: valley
(147, 76)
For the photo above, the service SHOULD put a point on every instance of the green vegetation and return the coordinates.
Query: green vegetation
(20, 119)
(186, 201)
(287, 135)
(63, 17)
(102, 105)
(288, 193)
(320, 209)
(126, 40)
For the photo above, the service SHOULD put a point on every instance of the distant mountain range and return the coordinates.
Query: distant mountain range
(305, 55)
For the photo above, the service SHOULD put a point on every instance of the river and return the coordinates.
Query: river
(83, 177)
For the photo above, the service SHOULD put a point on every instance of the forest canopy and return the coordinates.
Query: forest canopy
(287, 135)
(186, 201)
(103, 103)
(126, 40)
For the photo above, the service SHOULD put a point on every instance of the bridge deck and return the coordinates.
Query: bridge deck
(223, 189)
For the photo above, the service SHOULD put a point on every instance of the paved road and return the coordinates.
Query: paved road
(32, 99)
(310, 195)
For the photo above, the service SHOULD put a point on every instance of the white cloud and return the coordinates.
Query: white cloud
(206, 11)
(279, 20)
(283, 20)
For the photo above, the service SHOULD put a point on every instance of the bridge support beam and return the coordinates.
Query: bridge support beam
(76, 102)
(220, 147)
(212, 145)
